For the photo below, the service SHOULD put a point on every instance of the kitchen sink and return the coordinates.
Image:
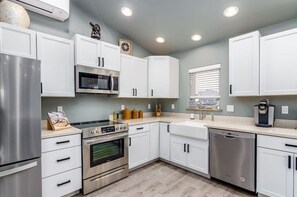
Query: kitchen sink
(189, 129)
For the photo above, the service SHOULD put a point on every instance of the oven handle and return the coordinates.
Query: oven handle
(111, 83)
(104, 139)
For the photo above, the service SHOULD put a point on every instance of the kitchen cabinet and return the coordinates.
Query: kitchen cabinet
(154, 140)
(279, 63)
(95, 53)
(244, 65)
(61, 165)
(163, 77)
(189, 153)
(57, 65)
(165, 141)
(276, 166)
(17, 41)
(139, 145)
(133, 77)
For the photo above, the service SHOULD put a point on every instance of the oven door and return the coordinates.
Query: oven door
(104, 153)
(96, 80)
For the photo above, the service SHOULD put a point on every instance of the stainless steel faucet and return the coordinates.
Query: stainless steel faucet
(201, 115)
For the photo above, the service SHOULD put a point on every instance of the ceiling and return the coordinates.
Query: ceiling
(177, 20)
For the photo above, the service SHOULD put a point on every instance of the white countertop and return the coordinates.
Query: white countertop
(45, 133)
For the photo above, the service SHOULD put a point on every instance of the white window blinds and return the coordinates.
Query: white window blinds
(205, 82)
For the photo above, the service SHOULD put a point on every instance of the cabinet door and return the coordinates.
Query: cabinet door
(244, 65)
(158, 77)
(110, 55)
(197, 156)
(279, 64)
(178, 148)
(140, 77)
(127, 81)
(164, 141)
(274, 173)
(87, 51)
(154, 141)
(295, 175)
(139, 152)
(17, 41)
(57, 65)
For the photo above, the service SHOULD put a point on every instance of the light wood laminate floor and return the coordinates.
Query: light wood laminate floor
(161, 179)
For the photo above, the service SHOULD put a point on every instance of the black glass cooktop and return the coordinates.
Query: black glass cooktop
(90, 124)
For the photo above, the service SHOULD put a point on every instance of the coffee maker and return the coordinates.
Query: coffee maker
(264, 113)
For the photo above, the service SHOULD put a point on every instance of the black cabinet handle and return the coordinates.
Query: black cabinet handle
(133, 92)
(230, 89)
(168, 128)
(63, 142)
(41, 88)
(129, 141)
(136, 92)
(291, 145)
(152, 92)
(99, 61)
(103, 62)
(139, 128)
(188, 148)
(60, 184)
(64, 159)
(289, 162)
(296, 163)
(185, 148)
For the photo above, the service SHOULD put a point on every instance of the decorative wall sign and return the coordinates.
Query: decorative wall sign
(126, 46)
(95, 31)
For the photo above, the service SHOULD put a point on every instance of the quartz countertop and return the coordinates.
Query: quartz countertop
(45, 133)
(240, 125)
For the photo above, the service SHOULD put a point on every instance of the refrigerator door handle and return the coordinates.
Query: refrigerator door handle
(18, 169)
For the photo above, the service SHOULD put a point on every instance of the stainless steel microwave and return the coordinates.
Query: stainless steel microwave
(96, 80)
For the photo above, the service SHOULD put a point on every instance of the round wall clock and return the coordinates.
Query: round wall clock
(126, 46)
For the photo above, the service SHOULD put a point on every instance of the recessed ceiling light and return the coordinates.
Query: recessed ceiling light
(160, 39)
(196, 37)
(126, 11)
(231, 11)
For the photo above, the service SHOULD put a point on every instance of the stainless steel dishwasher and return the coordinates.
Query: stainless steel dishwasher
(232, 158)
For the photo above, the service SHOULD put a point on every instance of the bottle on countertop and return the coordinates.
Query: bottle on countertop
(140, 114)
(134, 114)
(126, 114)
(158, 110)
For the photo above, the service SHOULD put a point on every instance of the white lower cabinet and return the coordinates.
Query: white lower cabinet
(139, 150)
(165, 141)
(61, 165)
(154, 141)
(190, 153)
(276, 166)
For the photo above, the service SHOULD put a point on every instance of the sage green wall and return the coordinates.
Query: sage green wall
(218, 53)
(85, 107)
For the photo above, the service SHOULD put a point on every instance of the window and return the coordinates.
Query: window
(205, 86)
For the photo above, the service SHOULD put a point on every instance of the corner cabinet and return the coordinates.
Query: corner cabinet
(163, 77)
(133, 77)
(165, 141)
(154, 140)
(95, 53)
(244, 65)
(57, 65)
(17, 41)
(279, 63)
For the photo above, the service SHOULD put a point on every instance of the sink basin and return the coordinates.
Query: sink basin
(189, 129)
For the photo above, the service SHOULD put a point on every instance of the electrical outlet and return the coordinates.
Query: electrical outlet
(60, 109)
(148, 106)
(172, 106)
(230, 108)
(122, 107)
(285, 109)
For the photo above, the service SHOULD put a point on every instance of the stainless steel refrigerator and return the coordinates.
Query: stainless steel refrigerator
(20, 127)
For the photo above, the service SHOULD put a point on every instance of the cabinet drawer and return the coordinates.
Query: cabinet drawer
(278, 143)
(60, 142)
(60, 161)
(62, 184)
(139, 128)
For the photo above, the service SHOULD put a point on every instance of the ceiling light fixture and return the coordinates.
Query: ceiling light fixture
(126, 11)
(231, 11)
(196, 37)
(160, 40)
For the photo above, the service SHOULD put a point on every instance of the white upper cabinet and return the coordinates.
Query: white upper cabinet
(244, 65)
(57, 65)
(163, 77)
(133, 77)
(95, 53)
(17, 41)
(279, 63)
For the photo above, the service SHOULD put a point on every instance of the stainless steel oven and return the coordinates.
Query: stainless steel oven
(96, 80)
